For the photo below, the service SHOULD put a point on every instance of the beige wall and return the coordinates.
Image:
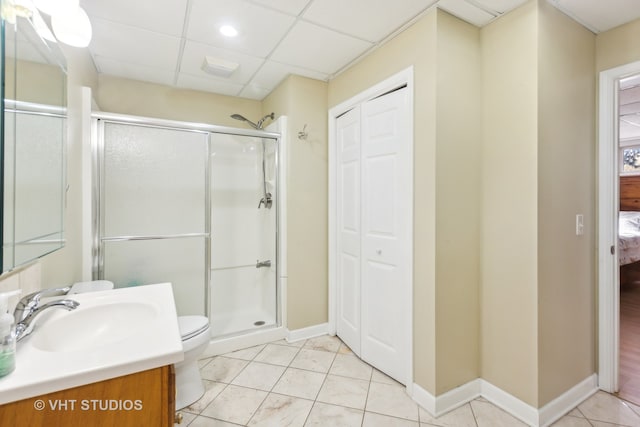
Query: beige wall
(618, 46)
(538, 335)
(304, 102)
(118, 95)
(566, 187)
(39, 83)
(458, 189)
(509, 203)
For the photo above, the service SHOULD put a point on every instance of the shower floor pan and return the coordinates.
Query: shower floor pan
(226, 323)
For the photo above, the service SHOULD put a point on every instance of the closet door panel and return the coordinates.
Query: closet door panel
(385, 234)
(349, 231)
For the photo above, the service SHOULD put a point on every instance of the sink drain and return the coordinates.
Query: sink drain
(259, 323)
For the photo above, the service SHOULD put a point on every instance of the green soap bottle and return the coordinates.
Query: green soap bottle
(7, 336)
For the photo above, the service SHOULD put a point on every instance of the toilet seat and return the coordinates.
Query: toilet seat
(190, 326)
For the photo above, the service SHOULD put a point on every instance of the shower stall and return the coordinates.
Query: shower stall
(184, 203)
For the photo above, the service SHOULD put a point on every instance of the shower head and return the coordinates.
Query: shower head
(244, 119)
(261, 121)
(253, 125)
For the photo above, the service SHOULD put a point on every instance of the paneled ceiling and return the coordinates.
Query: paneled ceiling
(166, 41)
(629, 101)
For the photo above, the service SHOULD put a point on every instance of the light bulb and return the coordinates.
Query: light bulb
(228, 31)
(73, 28)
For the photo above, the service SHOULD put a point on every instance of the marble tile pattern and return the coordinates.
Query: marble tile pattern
(320, 382)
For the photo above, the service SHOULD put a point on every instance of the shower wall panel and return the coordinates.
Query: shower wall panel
(243, 234)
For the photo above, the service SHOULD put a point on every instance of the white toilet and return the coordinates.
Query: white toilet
(195, 338)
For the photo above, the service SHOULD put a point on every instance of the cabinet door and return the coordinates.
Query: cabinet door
(145, 398)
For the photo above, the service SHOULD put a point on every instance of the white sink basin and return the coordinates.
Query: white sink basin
(93, 326)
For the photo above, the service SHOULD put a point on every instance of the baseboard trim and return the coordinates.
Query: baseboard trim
(448, 401)
(526, 413)
(554, 410)
(514, 406)
(308, 332)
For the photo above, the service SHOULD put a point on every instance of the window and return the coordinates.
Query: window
(630, 157)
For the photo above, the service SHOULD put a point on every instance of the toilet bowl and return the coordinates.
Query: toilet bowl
(195, 338)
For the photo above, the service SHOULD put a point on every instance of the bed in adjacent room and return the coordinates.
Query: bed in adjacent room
(629, 229)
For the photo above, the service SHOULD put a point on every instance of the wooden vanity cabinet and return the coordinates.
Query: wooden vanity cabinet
(145, 398)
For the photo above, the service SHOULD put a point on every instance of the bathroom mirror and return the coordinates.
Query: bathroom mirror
(33, 139)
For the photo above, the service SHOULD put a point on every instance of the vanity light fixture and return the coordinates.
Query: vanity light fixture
(228, 31)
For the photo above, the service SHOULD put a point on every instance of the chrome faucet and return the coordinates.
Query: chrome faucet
(28, 302)
(267, 201)
(28, 308)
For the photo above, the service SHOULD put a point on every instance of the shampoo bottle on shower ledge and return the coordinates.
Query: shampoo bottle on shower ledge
(7, 335)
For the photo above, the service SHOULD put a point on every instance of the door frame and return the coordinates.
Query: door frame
(404, 77)
(608, 196)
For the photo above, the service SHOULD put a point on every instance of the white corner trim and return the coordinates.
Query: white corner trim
(542, 417)
(448, 401)
(514, 406)
(423, 398)
(564, 403)
(308, 332)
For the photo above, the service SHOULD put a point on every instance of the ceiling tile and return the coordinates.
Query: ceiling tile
(629, 95)
(188, 81)
(631, 108)
(272, 73)
(255, 92)
(193, 57)
(132, 71)
(316, 48)
(628, 131)
(500, 6)
(134, 45)
(259, 29)
(375, 18)
(290, 7)
(600, 15)
(630, 82)
(466, 11)
(165, 17)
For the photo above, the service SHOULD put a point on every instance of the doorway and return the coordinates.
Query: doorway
(608, 208)
(371, 225)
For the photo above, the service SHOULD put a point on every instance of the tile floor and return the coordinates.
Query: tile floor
(319, 382)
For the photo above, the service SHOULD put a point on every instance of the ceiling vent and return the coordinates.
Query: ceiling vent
(219, 67)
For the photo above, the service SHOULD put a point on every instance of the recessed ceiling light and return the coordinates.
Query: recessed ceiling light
(228, 31)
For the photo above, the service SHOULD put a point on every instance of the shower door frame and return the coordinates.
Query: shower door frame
(98, 121)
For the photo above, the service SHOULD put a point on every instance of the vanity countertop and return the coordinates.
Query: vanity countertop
(73, 348)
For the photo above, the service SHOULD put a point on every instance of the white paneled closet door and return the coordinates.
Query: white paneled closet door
(375, 201)
(349, 231)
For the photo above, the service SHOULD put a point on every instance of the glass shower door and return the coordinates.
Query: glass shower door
(153, 224)
(243, 228)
